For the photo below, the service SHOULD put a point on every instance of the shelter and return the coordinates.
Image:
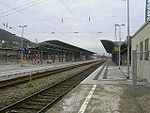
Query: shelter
(55, 50)
(113, 48)
(59, 51)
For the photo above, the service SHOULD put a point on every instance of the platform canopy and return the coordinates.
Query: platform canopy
(108, 45)
(57, 45)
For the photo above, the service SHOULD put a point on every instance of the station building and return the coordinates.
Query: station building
(140, 45)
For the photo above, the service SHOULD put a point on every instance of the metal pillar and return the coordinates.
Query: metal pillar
(72, 57)
(80, 56)
(147, 10)
(115, 37)
(119, 45)
(6, 56)
(62, 57)
(119, 25)
(66, 55)
(53, 57)
(22, 27)
(59, 57)
(41, 54)
(128, 38)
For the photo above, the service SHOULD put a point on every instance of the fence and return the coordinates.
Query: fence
(141, 86)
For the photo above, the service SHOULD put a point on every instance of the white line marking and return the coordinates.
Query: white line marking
(85, 103)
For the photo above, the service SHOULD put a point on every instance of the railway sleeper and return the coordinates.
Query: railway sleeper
(35, 108)
(62, 86)
(29, 105)
(71, 83)
(46, 97)
(42, 100)
(51, 94)
(21, 110)
(58, 90)
(17, 111)
(36, 103)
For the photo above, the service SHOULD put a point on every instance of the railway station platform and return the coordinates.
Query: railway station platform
(14, 70)
(106, 90)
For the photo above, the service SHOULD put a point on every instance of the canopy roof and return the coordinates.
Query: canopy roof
(108, 45)
(57, 45)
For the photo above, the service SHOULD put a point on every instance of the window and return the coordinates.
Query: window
(141, 50)
(137, 47)
(146, 49)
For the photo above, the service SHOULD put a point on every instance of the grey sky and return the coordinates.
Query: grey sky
(45, 16)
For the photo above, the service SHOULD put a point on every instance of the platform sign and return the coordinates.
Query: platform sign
(116, 49)
(22, 49)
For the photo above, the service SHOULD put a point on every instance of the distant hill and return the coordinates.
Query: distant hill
(9, 40)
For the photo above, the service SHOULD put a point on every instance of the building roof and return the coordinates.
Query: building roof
(144, 25)
(59, 46)
(108, 45)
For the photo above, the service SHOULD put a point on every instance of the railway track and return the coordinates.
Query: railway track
(42, 100)
(24, 79)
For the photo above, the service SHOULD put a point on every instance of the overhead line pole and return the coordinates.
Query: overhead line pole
(22, 27)
(147, 10)
(128, 38)
(115, 37)
(119, 25)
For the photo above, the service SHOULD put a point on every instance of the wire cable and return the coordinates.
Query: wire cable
(17, 10)
(75, 17)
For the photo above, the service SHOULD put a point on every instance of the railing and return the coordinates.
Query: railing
(141, 85)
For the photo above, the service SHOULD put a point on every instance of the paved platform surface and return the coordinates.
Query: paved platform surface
(106, 90)
(15, 70)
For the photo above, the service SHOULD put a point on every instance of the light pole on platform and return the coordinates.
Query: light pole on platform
(22, 27)
(119, 25)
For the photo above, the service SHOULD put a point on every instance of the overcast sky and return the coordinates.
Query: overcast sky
(69, 19)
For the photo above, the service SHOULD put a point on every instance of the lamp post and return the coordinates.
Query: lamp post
(128, 36)
(22, 27)
(119, 25)
(115, 37)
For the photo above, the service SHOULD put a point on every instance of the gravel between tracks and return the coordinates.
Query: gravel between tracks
(12, 94)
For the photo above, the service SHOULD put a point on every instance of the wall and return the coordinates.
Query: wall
(143, 66)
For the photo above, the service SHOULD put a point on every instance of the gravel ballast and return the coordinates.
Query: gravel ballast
(12, 94)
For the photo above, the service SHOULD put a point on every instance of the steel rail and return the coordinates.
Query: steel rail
(44, 99)
(24, 79)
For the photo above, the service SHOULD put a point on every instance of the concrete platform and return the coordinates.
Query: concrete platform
(106, 90)
(15, 70)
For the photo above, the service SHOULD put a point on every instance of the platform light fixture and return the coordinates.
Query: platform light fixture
(119, 25)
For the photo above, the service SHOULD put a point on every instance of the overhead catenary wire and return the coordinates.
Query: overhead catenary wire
(75, 17)
(18, 10)
(22, 6)
(96, 16)
(40, 23)
(87, 16)
(31, 17)
(91, 25)
(82, 9)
